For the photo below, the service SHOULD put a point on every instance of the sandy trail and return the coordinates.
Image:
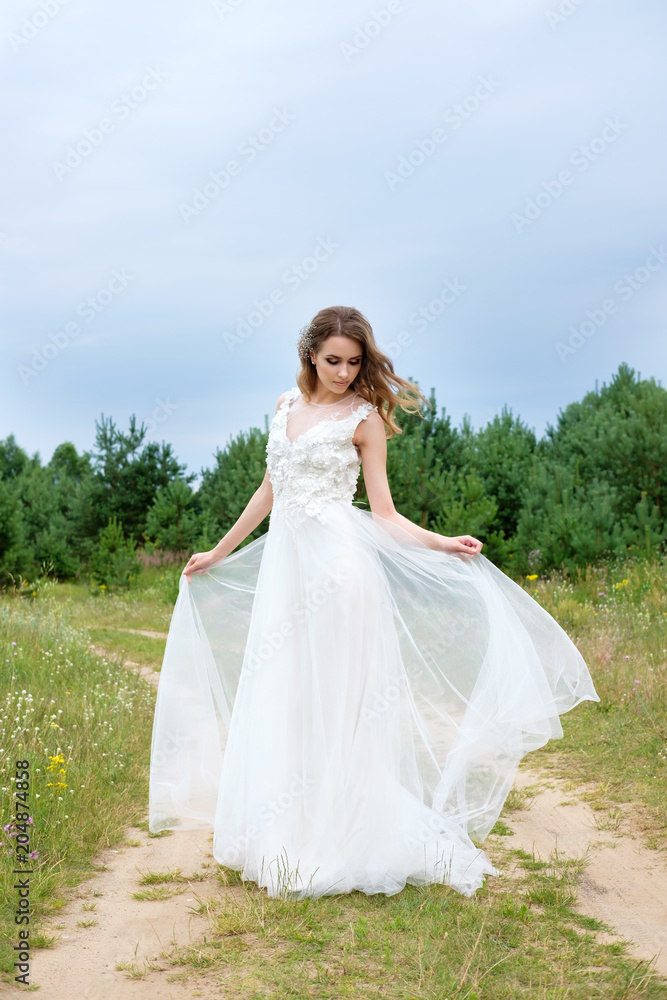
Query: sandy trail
(138, 631)
(147, 673)
(625, 882)
(82, 964)
(625, 885)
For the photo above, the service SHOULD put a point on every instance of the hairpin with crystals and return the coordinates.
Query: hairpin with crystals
(305, 343)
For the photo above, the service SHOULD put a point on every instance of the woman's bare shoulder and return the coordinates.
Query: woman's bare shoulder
(372, 420)
(370, 430)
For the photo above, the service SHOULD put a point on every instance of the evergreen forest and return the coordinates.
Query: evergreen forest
(593, 487)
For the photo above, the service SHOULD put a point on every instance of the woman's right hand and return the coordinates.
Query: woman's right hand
(201, 562)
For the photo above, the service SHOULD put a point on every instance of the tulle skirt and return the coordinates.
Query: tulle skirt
(346, 707)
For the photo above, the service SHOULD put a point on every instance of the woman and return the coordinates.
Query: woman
(346, 699)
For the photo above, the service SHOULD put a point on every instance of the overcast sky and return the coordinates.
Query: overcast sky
(186, 185)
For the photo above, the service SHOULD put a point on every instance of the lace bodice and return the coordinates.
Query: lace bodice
(319, 466)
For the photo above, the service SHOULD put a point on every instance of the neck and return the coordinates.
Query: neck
(323, 397)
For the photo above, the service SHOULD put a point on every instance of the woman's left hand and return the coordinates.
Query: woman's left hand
(461, 545)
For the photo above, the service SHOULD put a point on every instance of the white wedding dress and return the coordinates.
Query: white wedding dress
(342, 705)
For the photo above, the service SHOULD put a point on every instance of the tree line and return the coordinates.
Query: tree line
(593, 487)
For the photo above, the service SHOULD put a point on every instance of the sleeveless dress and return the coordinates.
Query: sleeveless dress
(344, 706)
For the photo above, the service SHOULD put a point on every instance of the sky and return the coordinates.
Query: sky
(186, 185)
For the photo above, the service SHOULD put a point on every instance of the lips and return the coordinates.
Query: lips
(340, 383)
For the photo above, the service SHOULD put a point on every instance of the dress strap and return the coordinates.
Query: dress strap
(290, 396)
(363, 410)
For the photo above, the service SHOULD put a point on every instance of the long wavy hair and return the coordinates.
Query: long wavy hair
(376, 380)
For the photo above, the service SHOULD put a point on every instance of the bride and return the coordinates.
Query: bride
(345, 700)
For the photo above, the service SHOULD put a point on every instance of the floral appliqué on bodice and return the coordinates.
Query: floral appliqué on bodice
(320, 466)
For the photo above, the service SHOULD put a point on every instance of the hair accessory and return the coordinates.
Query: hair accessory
(305, 342)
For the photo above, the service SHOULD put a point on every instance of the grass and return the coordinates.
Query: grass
(165, 884)
(126, 645)
(147, 605)
(135, 971)
(159, 892)
(520, 936)
(113, 620)
(84, 725)
(161, 878)
(617, 616)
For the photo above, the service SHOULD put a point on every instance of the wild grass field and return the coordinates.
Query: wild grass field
(83, 721)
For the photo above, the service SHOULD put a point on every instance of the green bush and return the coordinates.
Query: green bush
(172, 520)
(114, 562)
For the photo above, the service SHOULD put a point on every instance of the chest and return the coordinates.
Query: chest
(326, 447)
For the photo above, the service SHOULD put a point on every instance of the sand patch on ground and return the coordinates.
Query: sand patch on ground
(625, 882)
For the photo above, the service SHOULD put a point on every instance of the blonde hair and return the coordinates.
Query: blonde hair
(376, 380)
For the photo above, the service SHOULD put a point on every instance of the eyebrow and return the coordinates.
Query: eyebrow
(338, 357)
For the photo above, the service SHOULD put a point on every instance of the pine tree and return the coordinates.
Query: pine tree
(226, 489)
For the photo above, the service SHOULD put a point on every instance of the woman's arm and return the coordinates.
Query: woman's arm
(259, 505)
(371, 440)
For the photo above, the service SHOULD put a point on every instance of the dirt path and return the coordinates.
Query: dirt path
(82, 965)
(625, 884)
(147, 673)
(138, 631)
(121, 930)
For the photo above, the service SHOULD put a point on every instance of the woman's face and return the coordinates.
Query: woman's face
(338, 361)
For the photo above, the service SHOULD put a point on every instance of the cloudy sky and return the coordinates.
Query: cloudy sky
(186, 185)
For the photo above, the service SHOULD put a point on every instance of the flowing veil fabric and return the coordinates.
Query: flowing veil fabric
(342, 705)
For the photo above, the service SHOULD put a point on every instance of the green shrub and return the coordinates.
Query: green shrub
(114, 562)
